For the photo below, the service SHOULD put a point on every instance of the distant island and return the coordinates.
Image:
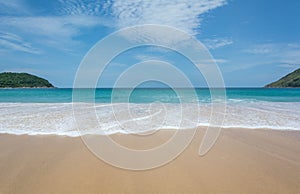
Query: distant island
(22, 80)
(290, 80)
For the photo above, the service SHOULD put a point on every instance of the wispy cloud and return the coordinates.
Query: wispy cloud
(289, 65)
(220, 61)
(283, 55)
(206, 63)
(60, 26)
(51, 29)
(12, 7)
(183, 14)
(280, 53)
(261, 49)
(57, 26)
(144, 57)
(16, 43)
(217, 42)
(81, 7)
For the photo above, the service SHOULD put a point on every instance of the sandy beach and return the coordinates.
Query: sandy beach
(242, 161)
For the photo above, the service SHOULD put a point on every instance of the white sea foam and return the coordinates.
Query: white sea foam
(58, 118)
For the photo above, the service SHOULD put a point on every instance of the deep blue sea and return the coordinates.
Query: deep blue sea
(58, 112)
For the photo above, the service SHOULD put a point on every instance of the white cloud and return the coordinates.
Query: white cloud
(66, 26)
(144, 57)
(207, 63)
(219, 61)
(289, 66)
(16, 43)
(117, 65)
(217, 42)
(182, 14)
(14, 7)
(261, 49)
(285, 55)
(53, 31)
(70, 18)
(79, 7)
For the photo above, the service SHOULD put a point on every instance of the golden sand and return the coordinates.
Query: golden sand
(242, 161)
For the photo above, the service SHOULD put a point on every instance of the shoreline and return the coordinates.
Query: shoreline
(241, 161)
(164, 129)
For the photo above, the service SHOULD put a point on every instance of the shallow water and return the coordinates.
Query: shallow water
(51, 111)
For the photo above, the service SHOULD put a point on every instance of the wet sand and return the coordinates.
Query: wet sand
(241, 161)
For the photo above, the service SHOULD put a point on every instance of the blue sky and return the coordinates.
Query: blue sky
(253, 42)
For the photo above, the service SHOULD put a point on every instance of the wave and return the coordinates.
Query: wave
(78, 119)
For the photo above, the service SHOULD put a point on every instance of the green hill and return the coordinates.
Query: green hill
(290, 80)
(22, 80)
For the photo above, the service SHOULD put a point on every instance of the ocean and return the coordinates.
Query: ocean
(51, 111)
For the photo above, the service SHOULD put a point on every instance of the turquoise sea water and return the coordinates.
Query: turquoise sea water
(148, 95)
(51, 111)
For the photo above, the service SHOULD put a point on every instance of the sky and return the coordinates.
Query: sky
(253, 42)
